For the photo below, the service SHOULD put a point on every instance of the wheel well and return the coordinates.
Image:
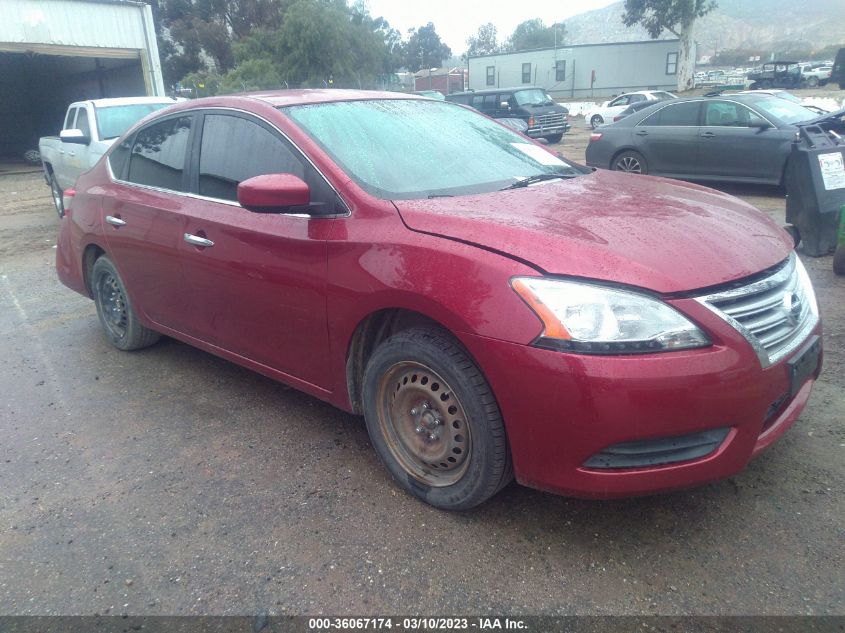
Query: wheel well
(48, 168)
(622, 151)
(92, 254)
(374, 329)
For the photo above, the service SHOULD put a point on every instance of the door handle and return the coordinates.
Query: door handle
(707, 135)
(641, 133)
(73, 153)
(115, 221)
(196, 240)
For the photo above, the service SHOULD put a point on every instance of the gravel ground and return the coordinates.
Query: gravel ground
(169, 481)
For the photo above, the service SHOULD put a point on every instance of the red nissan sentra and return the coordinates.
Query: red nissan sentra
(491, 309)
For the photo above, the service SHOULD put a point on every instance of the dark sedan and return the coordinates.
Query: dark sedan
(742, 138)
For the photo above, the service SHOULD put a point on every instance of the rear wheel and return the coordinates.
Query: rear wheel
(596, 121)
(118, 318)
(631, 162)
(433, 420)
(57, 195)
(812, 82)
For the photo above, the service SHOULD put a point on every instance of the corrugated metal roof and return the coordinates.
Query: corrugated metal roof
(113, 24)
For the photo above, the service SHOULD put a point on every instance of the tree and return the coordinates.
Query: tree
(324, 43)
(484, 42)
(424, 49)
(533, 34)
(677, 17)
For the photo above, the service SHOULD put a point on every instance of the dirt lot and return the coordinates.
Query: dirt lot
(171, 482)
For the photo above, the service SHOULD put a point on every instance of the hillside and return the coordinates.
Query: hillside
(746, 24)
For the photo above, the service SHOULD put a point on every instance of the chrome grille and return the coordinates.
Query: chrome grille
(775, 314)
(546, 121)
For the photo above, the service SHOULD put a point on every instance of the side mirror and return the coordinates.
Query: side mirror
(504, 105)
(74, 136)
(760, 125)
(273, 193)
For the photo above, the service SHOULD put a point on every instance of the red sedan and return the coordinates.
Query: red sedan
(491, 309)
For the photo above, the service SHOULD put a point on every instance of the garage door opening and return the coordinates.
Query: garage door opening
(36, 89)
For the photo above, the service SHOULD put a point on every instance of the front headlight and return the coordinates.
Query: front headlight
(589, 318)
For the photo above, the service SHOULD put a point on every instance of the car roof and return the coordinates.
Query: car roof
(121, 101)
(279, 98)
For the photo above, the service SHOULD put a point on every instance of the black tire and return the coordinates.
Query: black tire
(554, 138)
(839, 260)
(596, 121)
(57, 195)
(433, 420)
(812, 82)
(117, 316)
(630, 162)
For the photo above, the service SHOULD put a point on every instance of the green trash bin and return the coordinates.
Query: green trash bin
(815, 188)
(839, 255)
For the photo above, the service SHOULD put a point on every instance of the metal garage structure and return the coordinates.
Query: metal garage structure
(54, 52)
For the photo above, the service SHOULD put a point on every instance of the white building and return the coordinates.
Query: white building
(582, 70)
(54, 52)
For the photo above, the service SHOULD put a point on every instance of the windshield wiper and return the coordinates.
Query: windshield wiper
(440, 195)
(530, 180)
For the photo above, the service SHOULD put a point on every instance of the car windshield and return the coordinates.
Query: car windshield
(785, 110)
(406, 149)
(113, 121)
(533, 97)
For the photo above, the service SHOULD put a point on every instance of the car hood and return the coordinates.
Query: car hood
(667, 236)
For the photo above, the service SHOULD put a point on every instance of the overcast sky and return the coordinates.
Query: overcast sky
(456, 20)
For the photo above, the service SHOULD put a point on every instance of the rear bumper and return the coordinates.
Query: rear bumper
(562, 409)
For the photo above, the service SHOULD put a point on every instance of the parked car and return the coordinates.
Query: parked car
(609, 109)
(815, 76)
(545, 118)
(634, 107)
(90, 127)
(739, 137)
(491, 309)
(778, 74)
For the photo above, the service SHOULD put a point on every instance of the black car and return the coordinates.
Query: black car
(545, 118)
(742, 138)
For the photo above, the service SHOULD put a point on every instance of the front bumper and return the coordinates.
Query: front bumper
(562, 409)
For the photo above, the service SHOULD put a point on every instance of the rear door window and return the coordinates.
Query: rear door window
(677, 114)
(158, 154)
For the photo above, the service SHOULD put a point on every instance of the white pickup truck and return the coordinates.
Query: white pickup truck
(815, 76)
(89, 130)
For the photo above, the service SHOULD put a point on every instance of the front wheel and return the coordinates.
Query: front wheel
(631, 162)
(554, 138)
(433, 420)
(596, 121)
(58, 195)
(118, 318)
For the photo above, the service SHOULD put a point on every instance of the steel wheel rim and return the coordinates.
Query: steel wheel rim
(112, 305)
(57, 195)
(629, 164)
(424, 424)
